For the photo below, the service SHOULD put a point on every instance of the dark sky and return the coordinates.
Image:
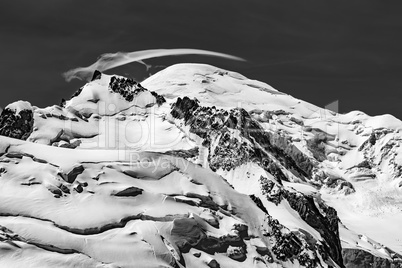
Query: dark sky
(320, 51)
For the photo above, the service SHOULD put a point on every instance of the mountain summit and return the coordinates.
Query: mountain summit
(197, 167)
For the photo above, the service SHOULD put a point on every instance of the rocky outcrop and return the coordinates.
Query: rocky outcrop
(184, 108)
(16, 124)
(129, 192)
(187, 233)
(159, 98)
(356, 258)
(73, 174)
(186, 154)
(324, 219)
(216, 127)
(97, 75)
(326, 225)
(228, 151)
(128, 89)
(290, 156)
(340, 184)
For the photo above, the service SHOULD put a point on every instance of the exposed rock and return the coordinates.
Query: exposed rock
(290, 156)
(64, 189)
(241, 230)
(126, 87)
(72, 175)
(159, 99)
(287, 245)
(316, 145)
(216, 125)
(186, 154)
(364, 164)
(63, 102)
(130, 191)
(69, 145)
(183, 108)
(76, 93)
(236, 253)
(213, 264)
(356, 258)
(18, 155)
(326, 225)
(187, 234)
(97, 75)
(258, 202)
(340, 184)
(18, 125)
(79, 188)
(56, 191)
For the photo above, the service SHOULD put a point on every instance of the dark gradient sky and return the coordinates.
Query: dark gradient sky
(317, 50)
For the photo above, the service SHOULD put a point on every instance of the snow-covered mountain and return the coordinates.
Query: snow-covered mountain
(197, 167)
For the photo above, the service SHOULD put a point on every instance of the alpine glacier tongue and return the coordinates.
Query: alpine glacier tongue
(197, 167)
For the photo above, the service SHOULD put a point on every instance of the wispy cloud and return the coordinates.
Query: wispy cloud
(112, 60)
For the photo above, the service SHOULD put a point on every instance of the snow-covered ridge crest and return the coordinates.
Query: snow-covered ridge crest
(113, 94)
(19, 106)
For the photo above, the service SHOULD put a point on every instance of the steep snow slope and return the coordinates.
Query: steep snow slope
(244, 176)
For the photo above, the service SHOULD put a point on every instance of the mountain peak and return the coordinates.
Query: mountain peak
(110, 94)
(197, 167)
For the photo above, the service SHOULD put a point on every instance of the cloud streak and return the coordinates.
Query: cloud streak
(111, 60)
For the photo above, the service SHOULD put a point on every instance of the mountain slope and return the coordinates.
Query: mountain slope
(197, 167)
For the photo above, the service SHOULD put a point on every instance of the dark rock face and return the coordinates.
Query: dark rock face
(341, 184)
(187, 233)
(183, 108)
(290, 156)
(324, 219)
(374, 137)
(213, 264)
(291, 246)
(72, 175)
(97, 75)
(237, 253)
(59, 191)
(286, 246)
(130, 191)
(186, 154)
(78, 92)
(355, 258)
(326, 225)
(159, 99)
(216, 125)
(258, 202)
(126, 87)
(18, 126)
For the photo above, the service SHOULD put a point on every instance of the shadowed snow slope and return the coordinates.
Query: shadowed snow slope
(196, 167)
